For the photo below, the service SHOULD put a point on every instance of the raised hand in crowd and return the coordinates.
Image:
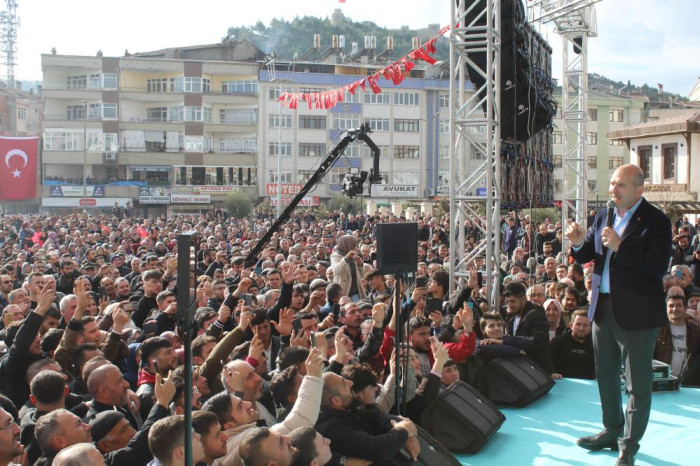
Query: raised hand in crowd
(164, 389)
(314, 363)
(284, 327)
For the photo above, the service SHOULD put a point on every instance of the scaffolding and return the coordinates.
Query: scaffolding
(468, 121)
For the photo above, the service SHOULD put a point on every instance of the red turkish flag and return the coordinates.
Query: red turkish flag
(18, 162)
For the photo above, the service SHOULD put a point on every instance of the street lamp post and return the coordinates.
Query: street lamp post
(85, 155)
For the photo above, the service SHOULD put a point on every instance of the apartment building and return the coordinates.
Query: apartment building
(606, 112)
(170, 131)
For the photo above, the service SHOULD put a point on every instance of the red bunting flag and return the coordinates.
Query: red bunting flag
(18, 163)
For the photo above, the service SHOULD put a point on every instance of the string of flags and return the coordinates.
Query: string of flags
(395, 72)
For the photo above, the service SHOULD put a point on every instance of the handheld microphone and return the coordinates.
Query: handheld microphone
(611, 212)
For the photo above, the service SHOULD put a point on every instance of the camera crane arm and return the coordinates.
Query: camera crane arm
(326, 165)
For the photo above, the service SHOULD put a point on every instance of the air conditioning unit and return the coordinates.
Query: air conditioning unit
(110, 156)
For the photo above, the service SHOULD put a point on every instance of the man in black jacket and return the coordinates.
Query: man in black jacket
(24, 350)
(366, 434)
(572, 352)
(526, 319)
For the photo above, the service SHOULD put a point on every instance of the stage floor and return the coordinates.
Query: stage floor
(545, 432)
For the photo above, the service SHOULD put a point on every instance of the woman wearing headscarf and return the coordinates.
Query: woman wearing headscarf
(346, 264)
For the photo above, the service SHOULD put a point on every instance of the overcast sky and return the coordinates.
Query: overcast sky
(645, 41)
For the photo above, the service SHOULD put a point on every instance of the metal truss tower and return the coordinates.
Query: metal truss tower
(469, 124)
(8, 36)
(575, 22)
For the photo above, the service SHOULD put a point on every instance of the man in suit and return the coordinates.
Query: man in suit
(626, 306)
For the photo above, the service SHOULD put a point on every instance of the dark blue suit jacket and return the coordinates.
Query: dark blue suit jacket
(636, 269)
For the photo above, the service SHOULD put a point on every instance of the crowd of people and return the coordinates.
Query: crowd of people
(293, 354)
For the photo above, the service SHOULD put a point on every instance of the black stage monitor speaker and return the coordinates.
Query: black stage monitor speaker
(432, 453)
(461, 418)
(397, 248)
(515, 381)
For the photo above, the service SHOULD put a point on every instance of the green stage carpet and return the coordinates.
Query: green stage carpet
(545, 432)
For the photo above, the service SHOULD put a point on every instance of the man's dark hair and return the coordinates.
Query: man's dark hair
(11, 332)
(259, 316)
(80, 353)
(153, 274)
(241, 351)
(489, 316)
(442, 278)
(164, 294)
(578, 270)
(199, 342)
(51, 339)
(48, 387)
(203, 421)
(304, 440)
(53, 312)
(282, 385)
(292, 356)
(150, 346)
(573, 291)
(238, 260)
(417, 322)
(9, 406)
(250, 447)
(361, 376)
(374, 273)
(219, 404)
(515, 289)
(203, 314)
(334, 291)
(166, 435)
(672, 296)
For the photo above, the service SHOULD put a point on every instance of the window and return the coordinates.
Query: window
(444, 127)
(157, 114)
(405, 178)
(644, 154)
(592, 114)
(63, 139)
(615, 142)
(76, 82)
(444, 100)
(406, 126)
(557, 161)
(313, 150)
(592, 185)
(479, 154)
(378, 124)
(616, 115)
(592, 138)
(614, 162)
(275, 92)
(280, 121)
(337, 174)
(366, 152)
(345, 121)
(352, 150)
(556, 135)
(190, 84)
(157, 85)
(372, 98)
(200, 176)
(103, 81)
(284, 176)
(75, 112)
(669, 152)
(249, 86)
(238, 116)
(310, 90)
(284, 149)
(592, 161)
(102, 111)
(303, 176)
(196, 143)
(444, 152)
(406, 98)
(242, 144)
(312, 122)
(406, 152)
(190, 113)
(351, 98)
(21, 113)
